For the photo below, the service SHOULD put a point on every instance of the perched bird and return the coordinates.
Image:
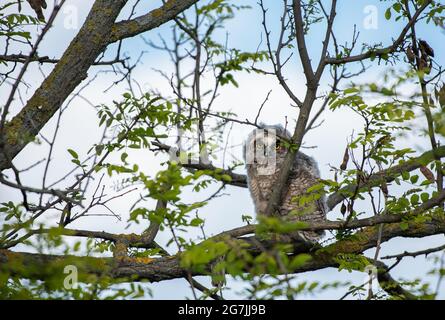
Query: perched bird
(410, 55)
(38, 6)
(65, 217)
(264, 155)
(425, 48)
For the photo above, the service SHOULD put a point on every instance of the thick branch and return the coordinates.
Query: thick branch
(151, 20)
(132, 240)
(159, 269)
(169, 268)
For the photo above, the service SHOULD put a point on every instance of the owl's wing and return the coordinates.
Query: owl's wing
(300, 180)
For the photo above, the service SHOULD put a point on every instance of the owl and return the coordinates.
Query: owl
(264, 155)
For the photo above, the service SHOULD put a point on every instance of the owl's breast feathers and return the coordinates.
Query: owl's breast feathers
(297, 203)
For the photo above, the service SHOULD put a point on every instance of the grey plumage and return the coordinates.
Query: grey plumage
(264, 156)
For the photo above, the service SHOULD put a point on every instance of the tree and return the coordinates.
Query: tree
(401, 188)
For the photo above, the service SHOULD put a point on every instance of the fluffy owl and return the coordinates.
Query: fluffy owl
(264, 156)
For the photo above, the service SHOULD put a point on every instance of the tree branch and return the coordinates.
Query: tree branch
(151, 20)
(169, 268)
(387, 50)
(387, 175)
(390, 285)
(160, 269)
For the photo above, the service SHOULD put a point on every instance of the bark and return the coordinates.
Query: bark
(151, 20)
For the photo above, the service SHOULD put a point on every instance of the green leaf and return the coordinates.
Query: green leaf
(424, 196)
(99, 148)
(414, 199)
(388, 14)
(405, 175)
(73, 153)
(196, 222)
(351, 90)
(397, 7)
(300, 260)
(404, 225)
(226, 178)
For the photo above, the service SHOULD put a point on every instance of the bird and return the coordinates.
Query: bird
(410, 55)
(426, 48)
(264, 153)
(38, 6)
(65, 217)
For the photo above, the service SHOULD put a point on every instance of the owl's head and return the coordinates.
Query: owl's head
(265, 143)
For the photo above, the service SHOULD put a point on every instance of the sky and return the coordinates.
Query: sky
(326, 143)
